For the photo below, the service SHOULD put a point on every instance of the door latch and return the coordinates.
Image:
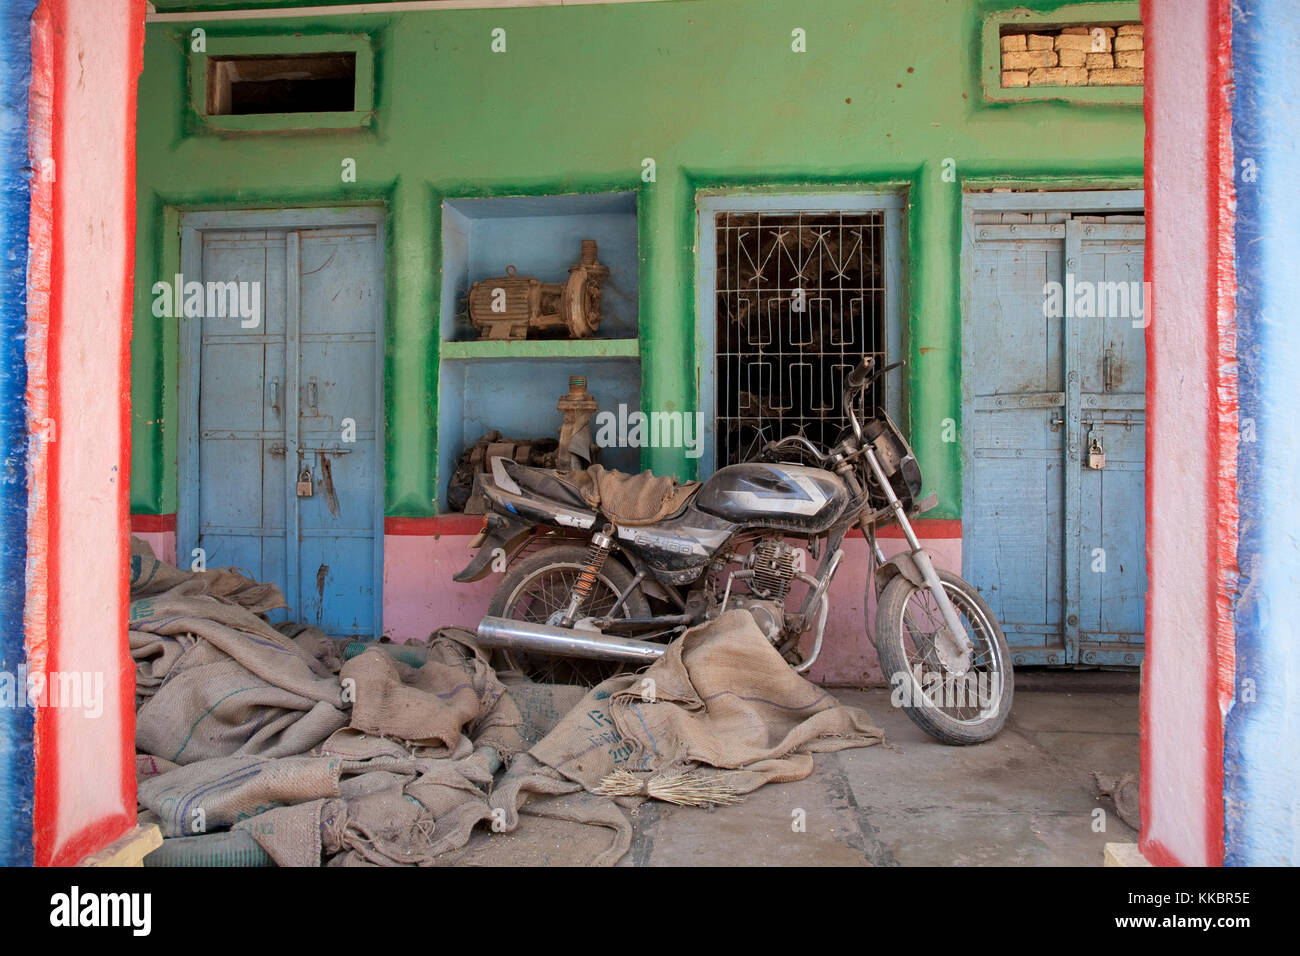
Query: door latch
(305, 487)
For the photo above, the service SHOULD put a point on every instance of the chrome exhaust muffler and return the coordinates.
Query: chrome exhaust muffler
(564, 642)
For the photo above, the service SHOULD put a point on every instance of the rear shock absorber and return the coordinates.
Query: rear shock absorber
(601, 544)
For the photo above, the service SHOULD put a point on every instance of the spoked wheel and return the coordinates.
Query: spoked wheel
(954, 708)
(538, 587)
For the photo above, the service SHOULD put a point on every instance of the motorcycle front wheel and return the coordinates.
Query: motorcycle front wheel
(957, 709)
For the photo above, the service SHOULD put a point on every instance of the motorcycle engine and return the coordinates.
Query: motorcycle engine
(773, 565)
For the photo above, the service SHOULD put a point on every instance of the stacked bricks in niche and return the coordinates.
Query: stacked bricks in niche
(1074, 56)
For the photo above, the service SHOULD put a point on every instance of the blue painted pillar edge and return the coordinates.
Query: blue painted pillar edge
(1261, 777)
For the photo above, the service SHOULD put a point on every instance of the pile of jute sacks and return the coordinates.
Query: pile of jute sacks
(420, 754)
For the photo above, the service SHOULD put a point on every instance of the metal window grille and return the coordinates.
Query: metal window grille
(801, 298)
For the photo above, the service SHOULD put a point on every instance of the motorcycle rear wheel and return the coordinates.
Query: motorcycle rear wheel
(540, 585)
(958, 710)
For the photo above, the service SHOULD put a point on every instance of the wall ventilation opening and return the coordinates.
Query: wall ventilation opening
(801, 298)
(294, 83)
(1092, 54)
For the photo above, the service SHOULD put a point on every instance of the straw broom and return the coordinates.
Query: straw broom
(686, 788)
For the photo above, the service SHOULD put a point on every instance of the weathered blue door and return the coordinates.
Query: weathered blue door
(1108, 355)
(1053, 435)
(280, 469)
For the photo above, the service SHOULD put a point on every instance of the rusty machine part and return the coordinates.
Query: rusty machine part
(507, 307)
(577, 449)
(462, 489)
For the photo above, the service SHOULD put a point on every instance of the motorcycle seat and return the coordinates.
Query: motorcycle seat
(546, 483)
(582, 490)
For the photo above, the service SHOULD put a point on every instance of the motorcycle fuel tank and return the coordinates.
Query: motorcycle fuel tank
(775, 495)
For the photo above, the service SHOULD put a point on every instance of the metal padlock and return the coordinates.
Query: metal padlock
(1096, 456)
(305, 489)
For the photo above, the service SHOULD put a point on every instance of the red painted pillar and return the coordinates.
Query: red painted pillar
(1191, 429)
(86, 59)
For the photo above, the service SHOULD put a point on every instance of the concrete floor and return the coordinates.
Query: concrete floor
(1025, 798)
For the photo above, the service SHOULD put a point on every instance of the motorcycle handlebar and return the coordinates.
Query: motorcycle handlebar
(866, 372)
(775, 446)
(858, 377)
(858, 380)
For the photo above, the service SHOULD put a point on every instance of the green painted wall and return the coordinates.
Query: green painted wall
(709, 88)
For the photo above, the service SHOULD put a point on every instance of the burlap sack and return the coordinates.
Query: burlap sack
(244, 725)
(221, 693)
(542, 706)
(425, 705)
(531, 788)
(723, 697)
(499, 723)
(454, 689)
(149, 576)
(211, 794)
(720, 696)
(628, 499)
(291, 836)
(222, 681)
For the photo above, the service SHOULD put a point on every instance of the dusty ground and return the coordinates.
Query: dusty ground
(1026, 798)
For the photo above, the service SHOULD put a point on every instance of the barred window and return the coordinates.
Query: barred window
(800, 300)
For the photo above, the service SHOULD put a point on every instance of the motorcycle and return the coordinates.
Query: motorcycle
(577, 613)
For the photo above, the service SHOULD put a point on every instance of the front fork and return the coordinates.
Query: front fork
(959, 645)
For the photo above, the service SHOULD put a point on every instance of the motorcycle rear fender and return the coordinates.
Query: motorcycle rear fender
(499, 531)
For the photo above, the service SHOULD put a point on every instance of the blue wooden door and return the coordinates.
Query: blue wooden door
(1108, 355)
(234, 515)
(289, 406)
(1053, 534)
(337, 426)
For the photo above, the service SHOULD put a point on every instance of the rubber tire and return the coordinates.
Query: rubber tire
(893, 660)
(613, 573)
